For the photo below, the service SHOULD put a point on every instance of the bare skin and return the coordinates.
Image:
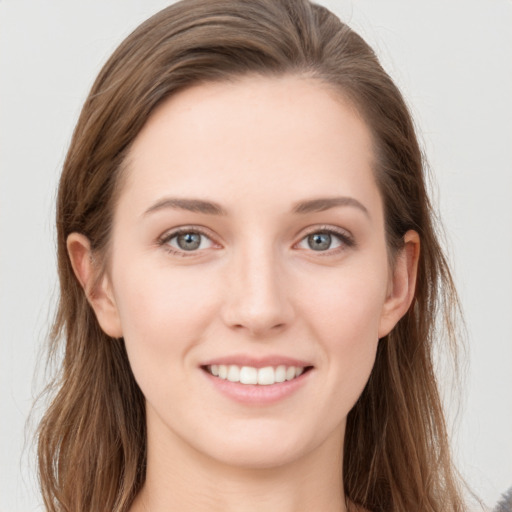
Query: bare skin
(249, 232)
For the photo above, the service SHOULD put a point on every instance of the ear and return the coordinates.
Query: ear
(98, 292)
(402, 284)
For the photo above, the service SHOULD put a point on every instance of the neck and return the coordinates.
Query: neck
(180, 478)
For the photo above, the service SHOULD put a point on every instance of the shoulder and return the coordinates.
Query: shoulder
(505, 504)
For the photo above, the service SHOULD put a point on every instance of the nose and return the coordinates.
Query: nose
(257, 295)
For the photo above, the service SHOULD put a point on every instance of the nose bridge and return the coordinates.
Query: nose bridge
(256, 298)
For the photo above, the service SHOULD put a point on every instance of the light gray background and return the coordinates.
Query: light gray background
(452, 59)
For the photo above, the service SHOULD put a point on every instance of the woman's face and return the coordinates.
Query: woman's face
(248, 241)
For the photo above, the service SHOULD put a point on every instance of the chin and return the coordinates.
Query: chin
(254, 456)
(263, 447)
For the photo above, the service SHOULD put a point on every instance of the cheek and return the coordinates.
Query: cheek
(348, 302)
(162, 312)
(345, 316)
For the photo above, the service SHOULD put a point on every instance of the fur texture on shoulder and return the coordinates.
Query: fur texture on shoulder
(505, 504)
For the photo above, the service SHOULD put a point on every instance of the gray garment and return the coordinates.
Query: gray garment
(505, 504)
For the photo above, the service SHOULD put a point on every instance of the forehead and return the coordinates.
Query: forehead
(252, 136)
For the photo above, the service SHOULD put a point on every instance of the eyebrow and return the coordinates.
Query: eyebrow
(212, 208)
(325, 203)
(191, 205)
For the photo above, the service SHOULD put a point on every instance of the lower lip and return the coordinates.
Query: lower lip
(258, 394)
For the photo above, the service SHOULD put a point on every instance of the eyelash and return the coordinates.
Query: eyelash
(164, 240)
(347, 241)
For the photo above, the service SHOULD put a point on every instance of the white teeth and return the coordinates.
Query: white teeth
(234, 373)
(290, 372)
(250, 375)
(280, 373)
(266, 376)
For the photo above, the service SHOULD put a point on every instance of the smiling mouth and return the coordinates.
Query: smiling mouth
(265, 376)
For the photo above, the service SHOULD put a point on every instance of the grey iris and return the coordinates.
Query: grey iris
(319, 241)
(189, 241)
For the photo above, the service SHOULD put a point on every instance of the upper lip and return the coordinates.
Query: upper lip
(257, 362)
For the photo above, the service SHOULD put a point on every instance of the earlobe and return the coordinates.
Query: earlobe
(98, 291)
(402, 284)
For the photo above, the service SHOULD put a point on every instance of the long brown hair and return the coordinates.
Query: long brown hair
(92, 439)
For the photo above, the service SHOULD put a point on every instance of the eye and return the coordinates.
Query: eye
(325, 239)
(186, 240)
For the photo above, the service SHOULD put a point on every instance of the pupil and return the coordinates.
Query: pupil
(319, 241)
(189, 241)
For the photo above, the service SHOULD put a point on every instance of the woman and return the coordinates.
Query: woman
(250, 277)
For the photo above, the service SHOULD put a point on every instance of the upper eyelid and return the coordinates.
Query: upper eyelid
(171, 233)
(327, 229)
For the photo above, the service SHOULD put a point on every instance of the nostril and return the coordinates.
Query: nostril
(259, 329)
